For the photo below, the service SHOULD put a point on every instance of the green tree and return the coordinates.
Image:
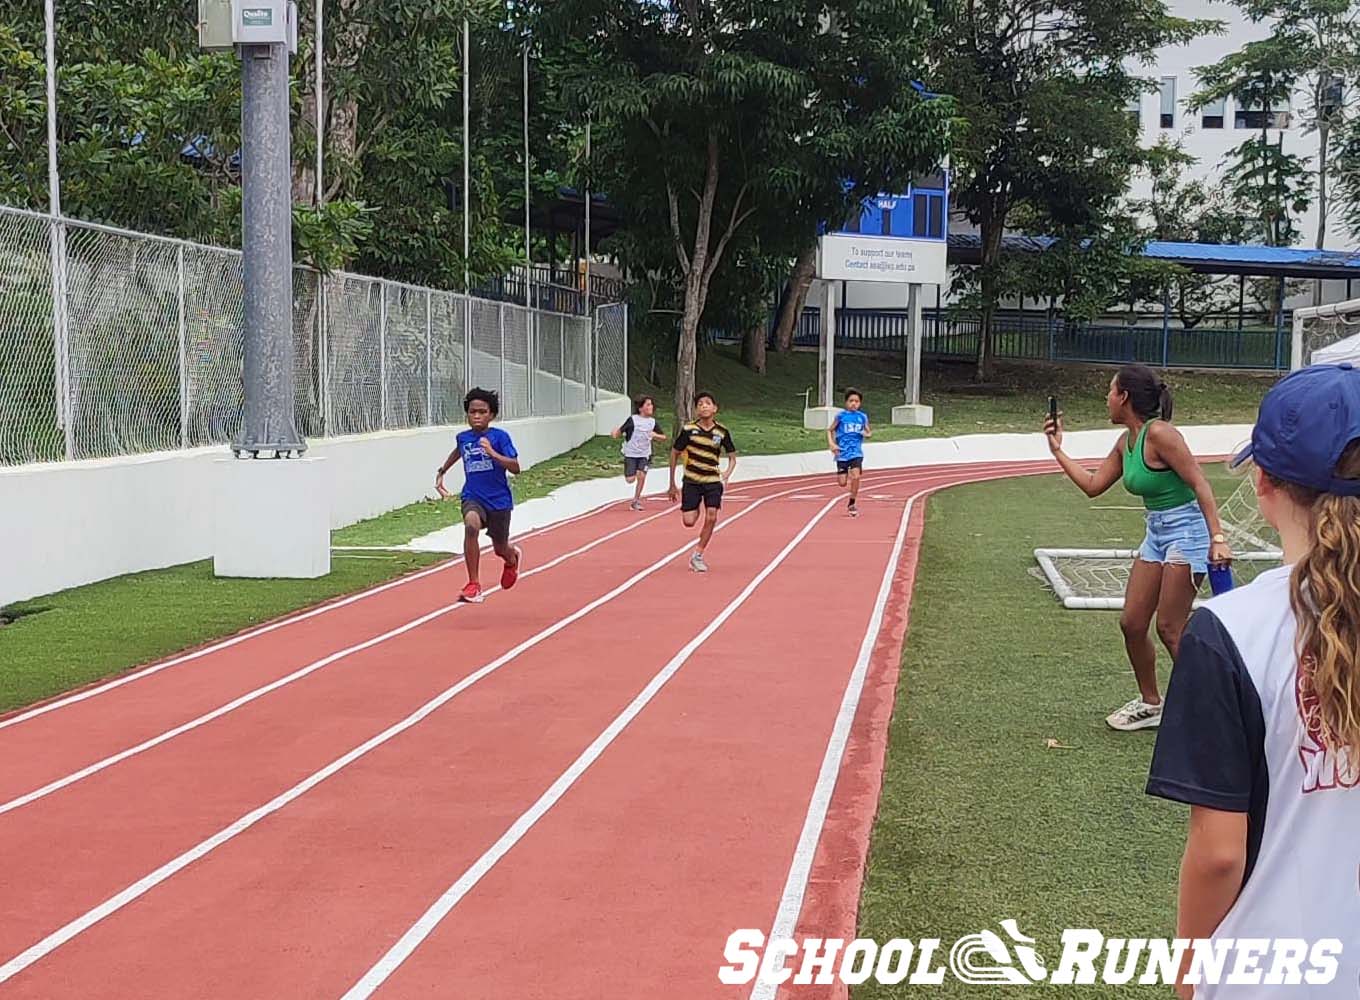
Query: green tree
(1041, 91)
(709, 112)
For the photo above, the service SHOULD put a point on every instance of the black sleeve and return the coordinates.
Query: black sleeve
(728, 444)
(1211, 744)
(681, 441)
(627, 429)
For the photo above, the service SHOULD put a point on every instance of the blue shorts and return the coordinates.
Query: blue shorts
(1177, 536)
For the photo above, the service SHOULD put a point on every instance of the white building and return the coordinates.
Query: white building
(1209, 134)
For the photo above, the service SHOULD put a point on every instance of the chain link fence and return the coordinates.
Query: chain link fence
(118, 343)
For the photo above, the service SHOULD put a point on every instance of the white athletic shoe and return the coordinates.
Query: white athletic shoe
(636, 505)
(1137, 714)
(696, 563)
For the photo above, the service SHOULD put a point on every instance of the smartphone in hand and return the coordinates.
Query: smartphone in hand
(1053, 410)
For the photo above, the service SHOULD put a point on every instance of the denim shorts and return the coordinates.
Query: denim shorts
(1177, 536)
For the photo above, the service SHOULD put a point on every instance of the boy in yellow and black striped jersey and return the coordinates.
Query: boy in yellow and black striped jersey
(699, 443)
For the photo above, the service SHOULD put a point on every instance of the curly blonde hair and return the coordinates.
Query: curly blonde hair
(1325, 594)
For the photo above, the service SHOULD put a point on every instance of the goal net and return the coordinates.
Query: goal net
(1326, 334)
(1094, 579)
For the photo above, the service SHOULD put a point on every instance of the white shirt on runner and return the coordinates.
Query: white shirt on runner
(637, 436)
(1233, 738)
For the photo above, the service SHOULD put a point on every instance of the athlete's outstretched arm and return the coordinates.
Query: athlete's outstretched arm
(1091, 482)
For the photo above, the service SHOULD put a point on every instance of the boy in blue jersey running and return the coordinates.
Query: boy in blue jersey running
(487, 454)
(846, 437)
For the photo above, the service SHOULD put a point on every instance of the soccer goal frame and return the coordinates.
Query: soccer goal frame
(1303, 343)
(1048, 560)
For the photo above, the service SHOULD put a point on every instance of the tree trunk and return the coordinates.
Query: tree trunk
(1324, 140)
(753, 348)
(992, 232)
(791, 312)
(686, 356)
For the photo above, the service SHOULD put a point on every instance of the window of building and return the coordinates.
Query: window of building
(1168, 102)
(1135, 110)
(1258, 118)
(1333, 94)
(927, 214)
(1211, 115)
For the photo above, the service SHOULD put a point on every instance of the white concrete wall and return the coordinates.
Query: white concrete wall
(70, 523)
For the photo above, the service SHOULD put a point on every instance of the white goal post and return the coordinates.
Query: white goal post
(1094, 579)
(1324, 328)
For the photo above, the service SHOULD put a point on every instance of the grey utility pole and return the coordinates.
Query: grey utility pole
(268, 422)
(263, 32)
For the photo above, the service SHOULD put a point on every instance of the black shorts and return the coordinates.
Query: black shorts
(632, 466)
(843, 467)
(709, 494)
(496, 522)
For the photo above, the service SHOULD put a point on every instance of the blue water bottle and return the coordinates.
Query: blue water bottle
(1220, 579)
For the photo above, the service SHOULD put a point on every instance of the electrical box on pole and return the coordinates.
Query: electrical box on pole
(225, 24)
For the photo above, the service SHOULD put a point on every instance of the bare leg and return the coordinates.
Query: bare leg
(472, 548)
(641, 482)
(1175, 604)
(706, 532)
(1140, 601)
(854, 485)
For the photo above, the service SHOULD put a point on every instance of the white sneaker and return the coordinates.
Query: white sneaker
(696, 563)
(636, 505)
(1137, 714)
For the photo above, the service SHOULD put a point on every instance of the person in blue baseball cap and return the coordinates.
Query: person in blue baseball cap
(1264, 707)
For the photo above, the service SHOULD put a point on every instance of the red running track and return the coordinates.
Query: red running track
(577, 789)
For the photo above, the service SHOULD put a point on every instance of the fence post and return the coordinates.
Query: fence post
(429, 358)
(531, 357)
(183, 351)
(467, 342)
(1166, 325)
(562, 359)
(61, 344)
(593, 325)
(500, 322)
(323, 337)
(382, 354)
(625, 348)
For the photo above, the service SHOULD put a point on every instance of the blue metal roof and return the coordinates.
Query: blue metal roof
(1206, 258)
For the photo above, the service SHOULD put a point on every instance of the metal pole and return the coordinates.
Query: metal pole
(500, 320)
(467, 207)
(269, 421)
(594, 343)
(320, 197)
(429, 358)
(467, 163)
(324, 350)
(528, 249)
(562, 359)
(382, 354)
(625, 348)
(56, 238)
(53, 177)
(1166, 324)
(183, 353)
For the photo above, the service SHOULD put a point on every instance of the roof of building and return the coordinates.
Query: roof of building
(1204, 258)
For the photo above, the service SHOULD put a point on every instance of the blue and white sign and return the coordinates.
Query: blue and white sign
(894, 237)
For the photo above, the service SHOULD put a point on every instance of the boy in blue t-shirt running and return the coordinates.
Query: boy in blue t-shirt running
(487, 454)
(846, 437)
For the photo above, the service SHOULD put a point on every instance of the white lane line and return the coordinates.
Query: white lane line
(791, 902)
(144, 885)
(197, 654)
(423, 927)
(296, 675)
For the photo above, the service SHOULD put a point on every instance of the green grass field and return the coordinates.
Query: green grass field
(62, 641)
(981, 820)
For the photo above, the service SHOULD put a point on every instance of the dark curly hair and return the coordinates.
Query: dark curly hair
(486, 396)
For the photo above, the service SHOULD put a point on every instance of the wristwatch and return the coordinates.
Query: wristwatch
(1219, 539)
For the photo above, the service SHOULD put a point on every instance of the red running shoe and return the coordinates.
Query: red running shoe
(472, 593)
(510, 574)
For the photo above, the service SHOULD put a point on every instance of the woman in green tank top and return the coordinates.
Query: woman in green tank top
(1184, 534)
